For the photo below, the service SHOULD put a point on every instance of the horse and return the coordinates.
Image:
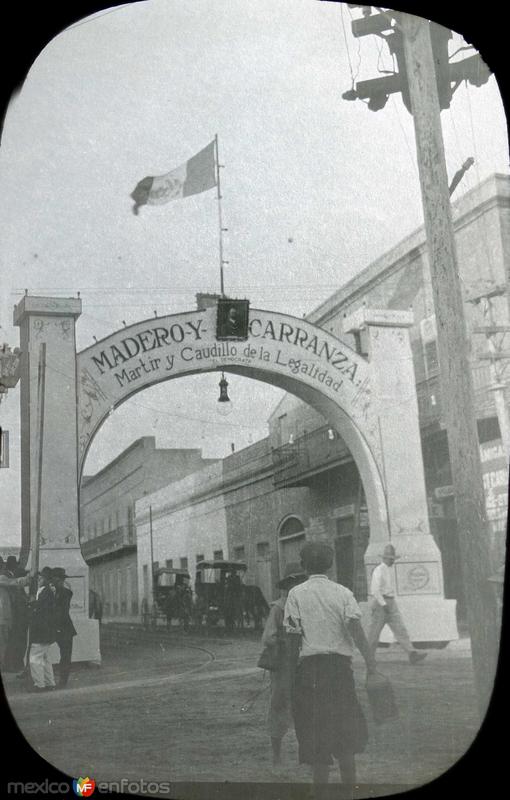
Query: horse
(178, 604)
(255, 605)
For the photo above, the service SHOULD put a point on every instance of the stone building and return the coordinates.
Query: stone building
(260, 504)
(107, 506)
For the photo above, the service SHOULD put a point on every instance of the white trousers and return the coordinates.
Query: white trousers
(387, 615)
(40, 665)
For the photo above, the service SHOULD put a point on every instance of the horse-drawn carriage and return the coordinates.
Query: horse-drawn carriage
(172, 598)
(220, 594)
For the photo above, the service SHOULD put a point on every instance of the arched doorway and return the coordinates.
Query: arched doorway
(291, 538)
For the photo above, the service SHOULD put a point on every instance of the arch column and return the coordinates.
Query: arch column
(53, 471)
(418, 570)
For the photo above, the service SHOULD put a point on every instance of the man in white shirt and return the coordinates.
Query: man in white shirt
(384, 609)
(322, 620)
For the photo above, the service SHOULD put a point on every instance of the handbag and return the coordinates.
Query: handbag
(271, 657)
(381, 699)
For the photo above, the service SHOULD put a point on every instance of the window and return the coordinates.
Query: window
(218, 555)
(200, 557)
(169, 563)
(125, 581)
(281, 431)
(155, 566)
(184, 562)
(291, 527)
(131, 527)
(146, 581)
(239, 553)
(262, 549)
(431, 358)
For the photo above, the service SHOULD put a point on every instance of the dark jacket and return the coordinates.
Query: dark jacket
(43, 618)
(65, 625)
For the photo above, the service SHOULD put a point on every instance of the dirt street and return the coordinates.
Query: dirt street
(184, 709)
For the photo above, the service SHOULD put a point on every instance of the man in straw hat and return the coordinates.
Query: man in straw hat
(384, 609)
(322, 619)
(280, 717)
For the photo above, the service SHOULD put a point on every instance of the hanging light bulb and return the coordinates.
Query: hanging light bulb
(331, 433)
(291, 438)
(225, 405)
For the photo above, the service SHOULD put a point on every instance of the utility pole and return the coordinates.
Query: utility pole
(425, 77)
(41, 394)
(455, 369)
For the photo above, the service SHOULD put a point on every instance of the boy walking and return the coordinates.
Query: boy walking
(322, 620)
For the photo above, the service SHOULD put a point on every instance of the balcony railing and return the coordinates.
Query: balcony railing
(111, 542)
(296, 462)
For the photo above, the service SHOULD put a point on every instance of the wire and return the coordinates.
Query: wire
(208, 421)
(358, 68)
(347, 45)
(394, 104)
(255, 696)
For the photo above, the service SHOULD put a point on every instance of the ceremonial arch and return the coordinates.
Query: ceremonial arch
(371, 402)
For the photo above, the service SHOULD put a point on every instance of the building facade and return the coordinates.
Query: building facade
(262, 503)
(107, 518)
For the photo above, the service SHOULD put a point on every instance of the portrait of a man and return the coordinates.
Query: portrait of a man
(232, 321)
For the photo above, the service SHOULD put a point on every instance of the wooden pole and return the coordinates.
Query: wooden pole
(457, 385)
(152, 554)
(41, 388)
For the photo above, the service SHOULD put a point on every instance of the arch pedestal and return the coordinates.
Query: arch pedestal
(51, 321)
(418, 570)
(372, 403)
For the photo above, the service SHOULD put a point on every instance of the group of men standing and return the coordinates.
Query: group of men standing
(34, 615)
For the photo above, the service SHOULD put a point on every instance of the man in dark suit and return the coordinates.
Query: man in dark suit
(65, 627)
(42, 633)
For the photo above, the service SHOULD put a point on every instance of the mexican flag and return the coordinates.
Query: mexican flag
(195, 176)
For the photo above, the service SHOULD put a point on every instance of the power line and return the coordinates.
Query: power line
(208, 421)
(347, 45)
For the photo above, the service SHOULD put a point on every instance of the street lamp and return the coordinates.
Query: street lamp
(225, 405)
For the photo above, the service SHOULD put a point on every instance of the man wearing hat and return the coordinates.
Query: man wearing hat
(42, 633)
(17, 645)
(65, 627)
(5, 614)
(10, 586)
(280, 716)
(384, 609)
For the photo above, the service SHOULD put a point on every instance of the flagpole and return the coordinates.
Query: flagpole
(220, 218)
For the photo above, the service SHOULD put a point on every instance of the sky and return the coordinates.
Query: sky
(314, 187)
